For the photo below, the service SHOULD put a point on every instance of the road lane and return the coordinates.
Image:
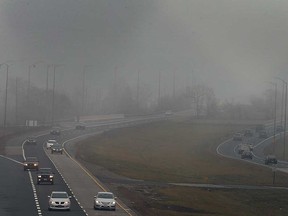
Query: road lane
(23, 197)
(16, 195)
(85, 185)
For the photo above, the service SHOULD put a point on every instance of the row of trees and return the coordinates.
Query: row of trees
(37, 104)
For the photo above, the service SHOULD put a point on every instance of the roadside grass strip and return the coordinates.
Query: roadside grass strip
(89, 174)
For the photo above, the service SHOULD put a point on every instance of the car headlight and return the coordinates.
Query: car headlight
(66, 202)
(53, 202)
(50, 176)
(39, 176)
(35, 164)
(98, 202)
(25, 164)
(113, 203)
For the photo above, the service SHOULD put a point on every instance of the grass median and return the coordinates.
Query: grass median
(183, 152)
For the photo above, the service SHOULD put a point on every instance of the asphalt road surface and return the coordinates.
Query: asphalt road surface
(20, 194)
(230, 147)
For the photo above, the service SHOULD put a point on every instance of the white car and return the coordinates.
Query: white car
(105, 200)
(59, 200)
(49, 143)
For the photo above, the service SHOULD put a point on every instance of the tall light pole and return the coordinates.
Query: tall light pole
(174, 86)
(285, 111)
(16, 102)
(275, 102)
(138, 89)
(6, 94)
(53, 93)
(159, 88)
(46, 96)
(84, 87)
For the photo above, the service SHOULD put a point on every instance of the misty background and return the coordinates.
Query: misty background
(145, 50)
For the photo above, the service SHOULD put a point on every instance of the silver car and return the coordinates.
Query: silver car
(59, 200)
(49, 143)
(105, 200)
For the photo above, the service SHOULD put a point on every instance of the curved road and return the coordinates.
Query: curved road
(22, 196)
(229, 148)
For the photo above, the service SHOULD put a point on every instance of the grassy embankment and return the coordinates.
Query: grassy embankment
(185, 152)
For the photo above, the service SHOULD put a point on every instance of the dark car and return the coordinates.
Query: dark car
(45, 175)
(31, 163)
(31, 140)
(263, 134)
(270, 159)
(55, 131)
(80, 127)
(248, 133)
(246, 154)
(56, 148)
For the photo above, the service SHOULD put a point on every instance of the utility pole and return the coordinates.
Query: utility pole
(285, 119)
(46, 92)
(138, 86)
(53, 94)
(174, 86)
(16, 102)
(6, 94)
(275, 102)
(285, 114)
(159, 88)
(84, 89)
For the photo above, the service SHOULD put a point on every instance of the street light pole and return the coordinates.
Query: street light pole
(53, 93)
(83, 103)
(6, 94)
(46, 98)
(285, 113)
(275, 102)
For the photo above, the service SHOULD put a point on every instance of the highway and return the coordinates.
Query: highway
(19, 190)
(229, 148)
(20, 194)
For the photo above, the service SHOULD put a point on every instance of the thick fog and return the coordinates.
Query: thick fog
(234, 47)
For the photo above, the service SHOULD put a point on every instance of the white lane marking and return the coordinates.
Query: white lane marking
(70, 189)
(11, 159)
(35, 194)
(87, 171)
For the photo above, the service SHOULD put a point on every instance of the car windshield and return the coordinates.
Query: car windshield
(105, 196)
(59, 195)
(45, 170)
(57, 146)
(32, 159)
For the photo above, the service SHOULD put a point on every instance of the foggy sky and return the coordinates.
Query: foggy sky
(234, 46)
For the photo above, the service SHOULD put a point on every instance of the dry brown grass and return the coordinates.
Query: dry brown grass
(184, 151)
(173, 152)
